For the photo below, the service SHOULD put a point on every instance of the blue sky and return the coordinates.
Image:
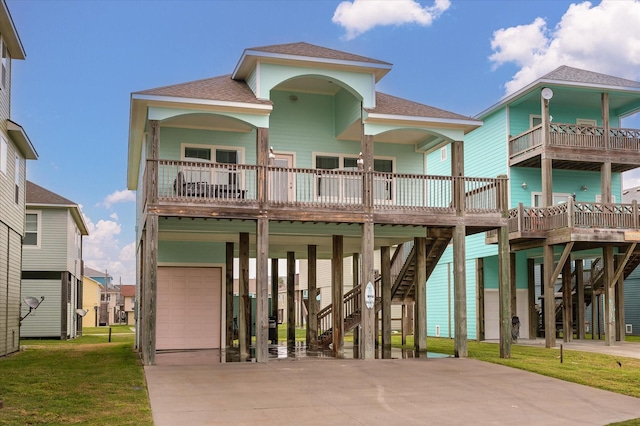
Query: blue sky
(84, 58)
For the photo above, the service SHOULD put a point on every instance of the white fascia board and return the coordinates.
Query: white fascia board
(431, 120)
(163, 113)
(204, 102)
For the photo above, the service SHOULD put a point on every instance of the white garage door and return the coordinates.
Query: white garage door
(492, 314)
(188, 308)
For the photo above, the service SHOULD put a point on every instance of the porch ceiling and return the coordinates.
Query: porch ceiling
(285, 236)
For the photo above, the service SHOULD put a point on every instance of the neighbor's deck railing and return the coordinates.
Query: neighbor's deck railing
(573, 214)
(189, 181)
(575, 136)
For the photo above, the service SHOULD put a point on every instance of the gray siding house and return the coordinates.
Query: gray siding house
(52, 264)
(15, 149)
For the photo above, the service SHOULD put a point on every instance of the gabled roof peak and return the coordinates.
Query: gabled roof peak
(307, 53)
(313, 51)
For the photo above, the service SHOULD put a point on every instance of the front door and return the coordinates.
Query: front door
(281, 180)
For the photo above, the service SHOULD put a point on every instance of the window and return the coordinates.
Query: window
(195, 154)
(5, 63)
(535, 120)
(32, 230)
(558, 198)
(18, 176)
(599, 198)
(212, 155)
(3, 155)
(350, 186)
(586, 122)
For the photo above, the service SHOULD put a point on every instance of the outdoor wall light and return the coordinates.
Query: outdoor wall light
(583, 188)
(524, 185)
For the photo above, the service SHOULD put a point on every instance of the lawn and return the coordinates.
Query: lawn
(83, 381)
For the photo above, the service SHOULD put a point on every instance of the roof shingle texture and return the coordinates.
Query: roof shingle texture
(387, 104)
(221, 88)
(311, 50)
(576, 75)
(36, 194)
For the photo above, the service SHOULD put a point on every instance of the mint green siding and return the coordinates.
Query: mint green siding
(196, 252)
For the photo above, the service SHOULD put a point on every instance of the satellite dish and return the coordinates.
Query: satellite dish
(547, 93)
(32, 302)
(81, 312)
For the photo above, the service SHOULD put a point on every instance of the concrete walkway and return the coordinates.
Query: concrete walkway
(321, 391)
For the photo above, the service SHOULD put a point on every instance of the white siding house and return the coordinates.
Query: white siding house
(52, 264)
(15, 149)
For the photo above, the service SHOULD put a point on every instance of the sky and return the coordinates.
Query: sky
(85, 58)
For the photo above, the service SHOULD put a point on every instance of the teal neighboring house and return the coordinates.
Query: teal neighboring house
(296, 155)
(572, 239)
(52, 265)
(15, 149)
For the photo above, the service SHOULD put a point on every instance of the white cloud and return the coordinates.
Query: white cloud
(114, 216)
(103, 250)
(603, 38)
(124, 196)
(360, 16)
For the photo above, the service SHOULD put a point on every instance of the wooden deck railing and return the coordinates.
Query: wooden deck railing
(188, 181)
(573, 214)
(575, 136)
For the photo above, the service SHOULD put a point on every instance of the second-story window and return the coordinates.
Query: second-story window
(5, 64)
(31, 227)
(18, 172)
(3, 155)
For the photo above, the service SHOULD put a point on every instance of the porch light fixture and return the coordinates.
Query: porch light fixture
(293, 98)
(583, 188)
(524, 185)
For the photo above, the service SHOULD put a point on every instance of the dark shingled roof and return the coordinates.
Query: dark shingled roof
(576, 75)
(38, 195)
(387, 104)
(221, 88)
(310, 50)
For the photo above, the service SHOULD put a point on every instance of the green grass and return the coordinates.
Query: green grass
(81, 381)
(91, 381)
(590, 369)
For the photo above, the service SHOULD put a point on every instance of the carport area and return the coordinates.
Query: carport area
(418, 391)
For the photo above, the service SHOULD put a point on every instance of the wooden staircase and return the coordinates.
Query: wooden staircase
(403, 265)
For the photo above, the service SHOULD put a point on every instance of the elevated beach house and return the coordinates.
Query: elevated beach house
(296, 155)
(562, 141)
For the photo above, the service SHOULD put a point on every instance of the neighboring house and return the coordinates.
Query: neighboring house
(561, 141)
(91, 291)
(632, 280)
(128, 294)
(295, 155)
(52, 264)
(110, 299)
(15, 149)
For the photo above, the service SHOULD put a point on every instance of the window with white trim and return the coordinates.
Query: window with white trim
(351, 186)
(558, 198)
(32, 230)
(599, 198)
(17, 176)
(3, 154)
(212, 155)
(5, 63)
(586, 122)
(534, 120)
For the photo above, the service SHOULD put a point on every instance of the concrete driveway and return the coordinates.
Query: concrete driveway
(320, 391)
